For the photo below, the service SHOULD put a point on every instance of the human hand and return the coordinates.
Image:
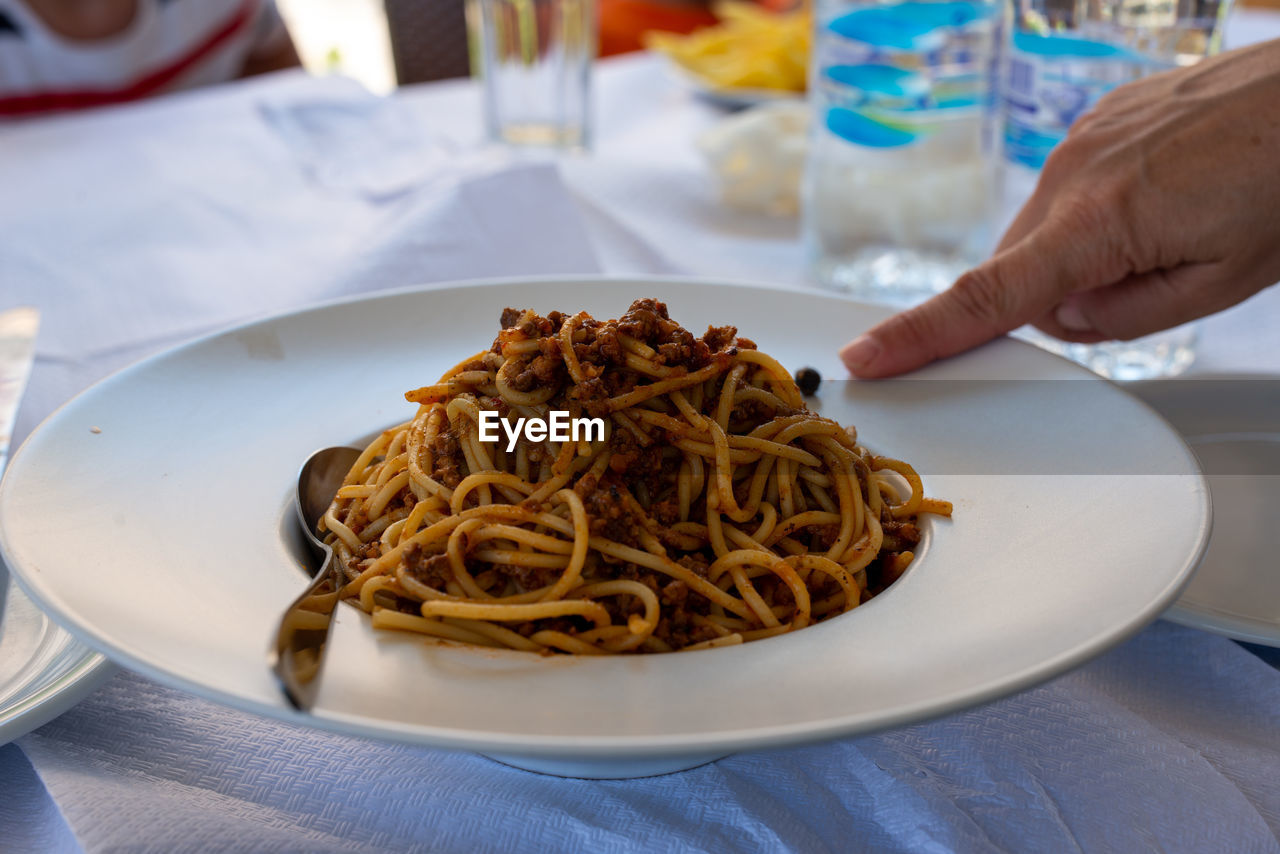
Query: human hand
(1162, 205)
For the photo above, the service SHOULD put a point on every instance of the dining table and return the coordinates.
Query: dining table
(135, 228)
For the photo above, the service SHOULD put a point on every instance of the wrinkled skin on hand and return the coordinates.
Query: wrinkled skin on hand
(1161, 206)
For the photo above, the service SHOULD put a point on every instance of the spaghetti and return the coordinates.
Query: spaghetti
(716, 508)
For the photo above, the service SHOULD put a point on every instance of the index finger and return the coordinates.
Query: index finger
(1012, 288)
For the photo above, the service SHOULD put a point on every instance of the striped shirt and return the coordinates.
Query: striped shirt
(169, 45)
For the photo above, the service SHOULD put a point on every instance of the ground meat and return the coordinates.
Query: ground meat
(719, 338)
(645, 320)
(401, 505)
(353, 564)
(675, 593)
(690, 353)
(624, 451)
(590, 396)
(586, 485)
(622, 607)
(358, 521)
(826, 535)
(679, 630)
(431, 569)
(695, 563)
(599, 353)
(620, 382)
(448, 462)
(750, 414)
(526, 322)
(665, 512)
(547, 368)
(639, 463)
(608, 516)
(900, 536)
(529, 577)
(602, 348)
(567, 625)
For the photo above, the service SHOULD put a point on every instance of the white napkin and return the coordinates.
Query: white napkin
(29, 819)
(1167, 743)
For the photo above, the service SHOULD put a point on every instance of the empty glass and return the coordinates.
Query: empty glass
(535, 59)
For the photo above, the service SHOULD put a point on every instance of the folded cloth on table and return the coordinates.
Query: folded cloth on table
(133, 229)
(362, 144)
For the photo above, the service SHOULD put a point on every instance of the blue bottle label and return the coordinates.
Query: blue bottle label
(888, 73)
(912, 25)
(1050, 80)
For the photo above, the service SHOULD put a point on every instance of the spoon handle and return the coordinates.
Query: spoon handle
(304, 631)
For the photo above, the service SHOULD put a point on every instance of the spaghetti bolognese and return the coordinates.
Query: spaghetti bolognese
(713, 508)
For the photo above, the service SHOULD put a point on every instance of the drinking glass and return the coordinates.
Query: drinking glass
(535, 59)
(898, 190)
(1163, 354)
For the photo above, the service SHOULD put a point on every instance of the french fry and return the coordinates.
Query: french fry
(749, 49)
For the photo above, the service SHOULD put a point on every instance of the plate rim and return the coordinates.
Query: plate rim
(92, 668)
(615, 745)
(58, 697)
(1204, 618)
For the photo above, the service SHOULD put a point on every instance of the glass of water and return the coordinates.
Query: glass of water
(899, 189)
(1059, 60)
(535, 59)
(1164, 354)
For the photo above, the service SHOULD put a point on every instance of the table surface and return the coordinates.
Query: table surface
(134, 229)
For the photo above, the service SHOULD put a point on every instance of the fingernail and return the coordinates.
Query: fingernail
(860, 353)
(1069, 316)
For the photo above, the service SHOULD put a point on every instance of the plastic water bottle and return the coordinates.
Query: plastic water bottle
(899, 190)
(1058, 62)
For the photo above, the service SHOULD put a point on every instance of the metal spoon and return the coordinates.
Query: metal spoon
(304, 628)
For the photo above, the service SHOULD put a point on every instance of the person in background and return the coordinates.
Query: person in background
(71, 54)
(1161, 206)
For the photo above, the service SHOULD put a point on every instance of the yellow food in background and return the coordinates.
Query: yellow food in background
(749, 49)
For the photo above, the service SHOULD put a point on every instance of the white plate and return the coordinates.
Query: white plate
(43, 670)
(1232, 423)
(166, 540)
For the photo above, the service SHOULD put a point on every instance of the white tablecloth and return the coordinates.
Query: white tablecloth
(135, 228)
